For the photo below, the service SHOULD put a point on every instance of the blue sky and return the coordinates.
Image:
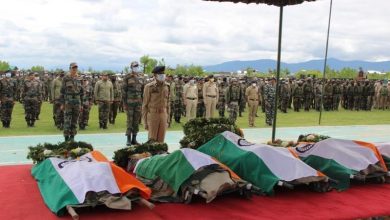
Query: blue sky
(109, 34)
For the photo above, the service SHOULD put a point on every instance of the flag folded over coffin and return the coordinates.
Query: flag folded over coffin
(384, 150)
(262, 165)
(174, 168)
(66, 182)
(341, 159)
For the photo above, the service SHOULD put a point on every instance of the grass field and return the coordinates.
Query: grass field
(292, 119)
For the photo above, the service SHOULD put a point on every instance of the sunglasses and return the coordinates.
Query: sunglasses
(74, 67)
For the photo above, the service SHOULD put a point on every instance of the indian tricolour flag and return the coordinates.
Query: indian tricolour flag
(384, 150)
(66, 182)
(175, 168)
(262, 165)
(341, 159)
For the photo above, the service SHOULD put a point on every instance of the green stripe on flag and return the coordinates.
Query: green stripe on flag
(332, 169)
(174, 169)
(55, 192)
(245, 164)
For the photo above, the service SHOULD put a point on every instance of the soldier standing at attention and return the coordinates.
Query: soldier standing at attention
(55, 93)
(252, 97)
(200, 108)
(7, 93)
(104, 95)
(269, 99)
(190, 97)
(42, 95)
(86, 103)
(31, 95)
(298, 96)
(132, 89)
(172, 96)
(156, 106)
(71, 98)
(233, 97)
(222, 85)
(116, 100)
(210, 96)
(285, 94)
(307, 94)
(179, 102)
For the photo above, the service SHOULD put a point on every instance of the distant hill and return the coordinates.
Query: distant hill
(265, 64)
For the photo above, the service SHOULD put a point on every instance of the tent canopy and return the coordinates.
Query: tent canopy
(268, 2)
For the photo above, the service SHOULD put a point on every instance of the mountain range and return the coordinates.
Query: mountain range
(264, 65)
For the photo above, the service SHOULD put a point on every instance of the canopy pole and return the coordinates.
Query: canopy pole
(277, 73)
(325, 61)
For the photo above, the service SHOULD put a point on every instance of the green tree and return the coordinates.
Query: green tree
(194, 70)
(4, 66)
(148, 63)
(39, 69)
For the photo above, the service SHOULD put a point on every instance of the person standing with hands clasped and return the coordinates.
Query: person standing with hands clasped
(155, 106)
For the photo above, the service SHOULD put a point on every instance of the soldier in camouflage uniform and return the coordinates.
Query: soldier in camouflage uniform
(116, 101)
(269, 99)
(357, 94)
(336, 95)
(103, 97)
(243, 101)
(365, 95)
(307, 94)
(200, 109)
(371, 96)
(383, 96)
(222, 86)
(42, 95)
(328, 96)
(132, 94)
(261, 95)
(284, 96)
(71, 98)
(7, 92)
(318, 95)
(298, 96)
(172, 93)
(233, 97)
(179, 104)
(55, 93)
(31, 95)
(86, 103)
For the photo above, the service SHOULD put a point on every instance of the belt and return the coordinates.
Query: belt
(212, 96)
(191, 98)
(157, 110)
(253, 99)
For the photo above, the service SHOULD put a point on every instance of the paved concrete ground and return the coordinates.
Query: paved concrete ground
(13, 150)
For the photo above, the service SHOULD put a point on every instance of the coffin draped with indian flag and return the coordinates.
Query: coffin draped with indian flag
(187, 172)
(343, 160)
(262, 165)
(65, 183)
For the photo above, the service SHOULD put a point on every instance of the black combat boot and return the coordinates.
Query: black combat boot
(100, 125)
(32, 122)
(8, 123)
(66, 138)
(81, 126)
(128, 143)
(134, 140)
(71, 138)
(104, 125)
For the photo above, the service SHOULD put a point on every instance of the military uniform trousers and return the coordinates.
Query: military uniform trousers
(114, 111)
(157, 120)
(210, 104)
(58, 114)
(297, 103)
(234, 109)
(31, 106)
(6, 108)
(382, 102)
(104, 111)
(191, 104)
(133, 119)
(252, 105)
(71, 116)
(200, 109)
(84, 115)
(269, 113)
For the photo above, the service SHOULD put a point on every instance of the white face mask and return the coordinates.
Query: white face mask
(37, 78)
(253, 84)
(212, 80)
(192, 82)
(135, 69)
(160, 77)
(8, 75)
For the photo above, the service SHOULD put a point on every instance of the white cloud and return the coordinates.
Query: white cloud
(108, 34)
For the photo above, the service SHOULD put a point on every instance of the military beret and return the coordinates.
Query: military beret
(159, 70)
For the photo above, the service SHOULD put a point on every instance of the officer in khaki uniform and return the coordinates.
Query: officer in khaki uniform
(190, 97)
(252, 97)
(104, 95)
(156, 105)
(210, 96)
